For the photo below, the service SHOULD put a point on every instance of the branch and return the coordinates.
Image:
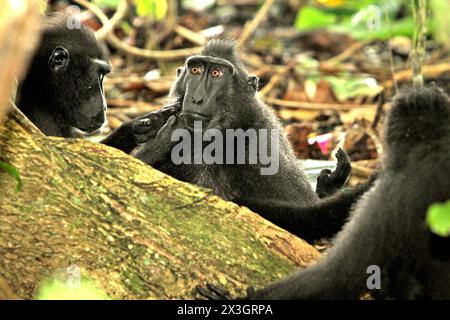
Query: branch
(313, 105)
(171, 18)
(273, 82)
(108, 27)
(418, 53)
(349, 52)
(429, 71)
(252, 25)
(362, 171)
(143, 53)
(190, 35)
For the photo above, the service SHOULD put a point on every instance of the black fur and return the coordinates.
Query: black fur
(58, 101)
(388, 227)
(285, 198)
(62, 93)
(329, 182)
(440, 247)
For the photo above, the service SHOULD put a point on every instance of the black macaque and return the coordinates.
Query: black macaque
(62, 93)
(387, 228)
(216, 91)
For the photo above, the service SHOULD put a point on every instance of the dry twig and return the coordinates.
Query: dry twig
(355, 47)
(143, 53)
(274, 81)
(362, 171)
(108, 27)
(428, 71)
(313, 106)
(419, 40)
(252, 25)
(190, 35)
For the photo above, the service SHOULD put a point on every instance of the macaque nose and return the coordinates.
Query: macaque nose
(197, 100)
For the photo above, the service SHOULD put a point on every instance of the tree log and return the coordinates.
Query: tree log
(134, 231)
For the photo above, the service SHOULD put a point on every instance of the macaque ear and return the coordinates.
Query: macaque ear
(59, 60)
(179, 71)
(253, 81)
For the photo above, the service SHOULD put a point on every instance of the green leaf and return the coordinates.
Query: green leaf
(309, 18)
(438, 218)
(403, 27)
(126, 27)
(346, 88)
(57, 289)
(13, 173)
(440, 24)
(357, 18)
(111, 4)
(156, 9)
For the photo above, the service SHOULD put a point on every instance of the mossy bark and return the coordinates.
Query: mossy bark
(137, 233)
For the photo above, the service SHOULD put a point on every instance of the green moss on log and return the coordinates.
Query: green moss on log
(137, 233)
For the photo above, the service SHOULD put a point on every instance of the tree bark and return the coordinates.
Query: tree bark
(135, 232)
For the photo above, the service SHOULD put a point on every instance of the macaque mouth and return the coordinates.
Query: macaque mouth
(198, 116)
(86, 132)
(92, 130)
(77, 132)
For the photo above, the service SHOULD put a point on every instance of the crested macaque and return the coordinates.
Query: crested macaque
(62, 92)
(218, 96)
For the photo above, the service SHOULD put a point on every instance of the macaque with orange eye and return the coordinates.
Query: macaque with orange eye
(215, 94)
(208, 82)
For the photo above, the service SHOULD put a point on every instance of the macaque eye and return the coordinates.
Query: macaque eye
(216, 73)
(196, 70)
